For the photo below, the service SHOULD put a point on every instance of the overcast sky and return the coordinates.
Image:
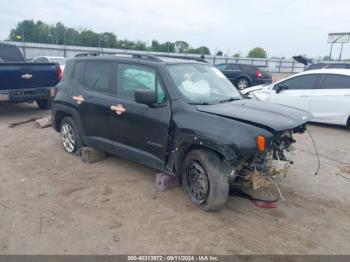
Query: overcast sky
(285, 27)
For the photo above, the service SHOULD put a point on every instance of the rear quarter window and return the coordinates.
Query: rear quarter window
(77, 71)
(97, 76)
(249, 68)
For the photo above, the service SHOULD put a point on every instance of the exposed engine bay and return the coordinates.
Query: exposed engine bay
(263, 169)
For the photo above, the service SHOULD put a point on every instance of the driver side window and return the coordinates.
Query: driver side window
(299, 83)
(131, 78)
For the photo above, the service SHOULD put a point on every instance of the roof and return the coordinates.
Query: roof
(327, 71)
(241, 64)
(144, 57)
(48, 56)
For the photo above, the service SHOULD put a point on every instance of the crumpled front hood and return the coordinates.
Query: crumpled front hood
(251, 89)
(268, 115)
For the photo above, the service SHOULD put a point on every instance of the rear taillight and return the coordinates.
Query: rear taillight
(53, 91)
(258, 73)
(59, 74)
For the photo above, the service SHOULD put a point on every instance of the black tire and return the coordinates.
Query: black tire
(70, 122)
(348, 123)
(218, 186)
(242, 83)
(44, 104)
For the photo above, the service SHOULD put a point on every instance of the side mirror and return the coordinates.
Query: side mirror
(280, 88)
(144, 96)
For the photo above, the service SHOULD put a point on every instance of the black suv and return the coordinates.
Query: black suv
(244, 76)
(179, 116)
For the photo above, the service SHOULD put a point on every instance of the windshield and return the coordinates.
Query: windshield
(58, 60)
(203, 84)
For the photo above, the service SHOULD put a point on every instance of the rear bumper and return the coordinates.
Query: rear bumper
(25, 95)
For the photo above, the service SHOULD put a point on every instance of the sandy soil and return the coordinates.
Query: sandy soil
(52, 203)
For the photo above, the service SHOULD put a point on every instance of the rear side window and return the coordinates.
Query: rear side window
(233, 67)
(222, 67)
(300, 82)
(131, 78)
(336, 82)
(97, 76)
(249, 68)
(77, 71)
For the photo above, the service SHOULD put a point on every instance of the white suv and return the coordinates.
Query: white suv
(325, 93)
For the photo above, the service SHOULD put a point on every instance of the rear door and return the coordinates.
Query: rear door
(93, 100)
(330, 100)
(231, 71)
(297, 93)
(140, 132)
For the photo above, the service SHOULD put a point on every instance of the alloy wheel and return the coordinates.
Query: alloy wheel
(242, 84)
(68, 137)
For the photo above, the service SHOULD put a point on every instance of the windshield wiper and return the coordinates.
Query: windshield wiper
(229, 100)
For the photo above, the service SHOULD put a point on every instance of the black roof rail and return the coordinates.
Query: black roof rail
(184, 57)
(134, 55)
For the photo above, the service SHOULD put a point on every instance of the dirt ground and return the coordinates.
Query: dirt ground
(52, 203)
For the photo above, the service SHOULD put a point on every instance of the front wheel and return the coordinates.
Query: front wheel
(203, 180)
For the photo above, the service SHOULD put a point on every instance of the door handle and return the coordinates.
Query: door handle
(26, 76)
(118, 109)
(79, 99)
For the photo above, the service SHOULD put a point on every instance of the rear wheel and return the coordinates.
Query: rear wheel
(348, 123)
(70, 136)
(44, 104)
(203, 180)
(243, 83)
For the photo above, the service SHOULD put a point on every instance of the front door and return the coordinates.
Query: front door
(296, 93)
(140, 131)
(231, 71)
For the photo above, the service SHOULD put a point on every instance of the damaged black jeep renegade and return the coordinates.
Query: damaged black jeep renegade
(179, 116)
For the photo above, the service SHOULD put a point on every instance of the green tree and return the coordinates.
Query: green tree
(40, 32)
(181, 46)
(237, 55)
(219, 53)
(108, 40)
(257, 52)
(203, 50)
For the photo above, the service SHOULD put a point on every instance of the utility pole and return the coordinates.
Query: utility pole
(65, 43)
(341, 51)
(24, 49)
(330, 54)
